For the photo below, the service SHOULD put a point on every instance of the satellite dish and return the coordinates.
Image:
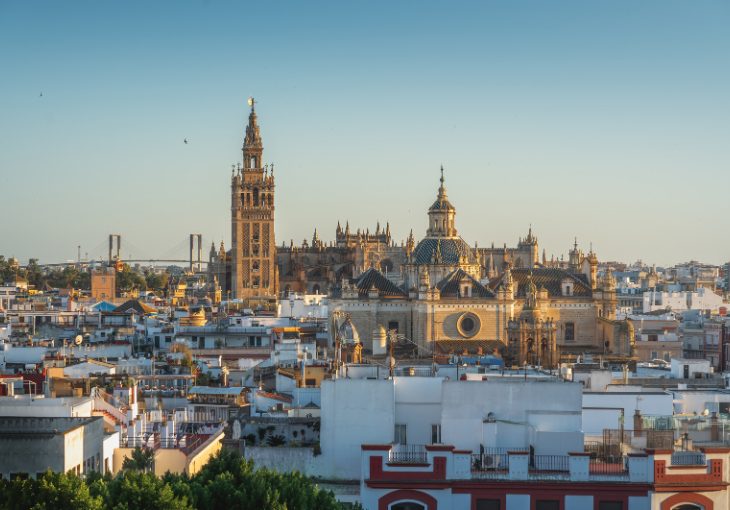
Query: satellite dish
(78, 339)
(389, 362)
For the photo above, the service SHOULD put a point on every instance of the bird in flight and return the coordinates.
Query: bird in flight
(186, 141)
(41, 94)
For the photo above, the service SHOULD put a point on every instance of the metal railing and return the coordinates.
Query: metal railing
(610, 467)
(688, 459)
(549, 466)
(490, 464)
(409, 453)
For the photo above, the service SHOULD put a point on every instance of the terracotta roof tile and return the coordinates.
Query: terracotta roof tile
(550, 278)
(451, 285)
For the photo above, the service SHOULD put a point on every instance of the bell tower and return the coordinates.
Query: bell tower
(252, 221)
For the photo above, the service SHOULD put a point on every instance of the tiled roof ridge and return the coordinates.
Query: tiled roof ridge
(275, 396)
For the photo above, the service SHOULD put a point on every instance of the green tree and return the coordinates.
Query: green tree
(142, 491)
(54, 491)
(141, 460)
(129, 280)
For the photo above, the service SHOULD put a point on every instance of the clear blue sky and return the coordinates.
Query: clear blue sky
(605, 120)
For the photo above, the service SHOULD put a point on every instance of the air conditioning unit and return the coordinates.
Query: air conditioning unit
(491, 461)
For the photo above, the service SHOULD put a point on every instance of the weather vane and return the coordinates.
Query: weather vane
(251, 102)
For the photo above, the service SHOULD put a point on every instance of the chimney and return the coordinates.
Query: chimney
(638, 425)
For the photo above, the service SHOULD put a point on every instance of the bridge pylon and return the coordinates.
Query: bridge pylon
(193, 263)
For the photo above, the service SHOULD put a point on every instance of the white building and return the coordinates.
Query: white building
(702, 299)
(418, 411)
(303, 306)
(30, 446)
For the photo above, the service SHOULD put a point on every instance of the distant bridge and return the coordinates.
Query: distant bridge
(189, 251)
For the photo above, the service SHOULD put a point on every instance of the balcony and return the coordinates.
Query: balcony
(442, 462)
(408, 454)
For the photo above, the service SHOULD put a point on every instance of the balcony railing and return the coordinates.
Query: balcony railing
(549, 467)
(688, 459)
(609, 468)
(493, 463)
(409, 454)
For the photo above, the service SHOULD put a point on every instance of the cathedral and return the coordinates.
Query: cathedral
(442, 294)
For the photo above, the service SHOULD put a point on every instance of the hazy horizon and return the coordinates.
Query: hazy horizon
(602, 121)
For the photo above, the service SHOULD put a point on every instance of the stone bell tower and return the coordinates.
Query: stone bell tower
(252, 220)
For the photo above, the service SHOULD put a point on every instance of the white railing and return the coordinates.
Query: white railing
(99, 404)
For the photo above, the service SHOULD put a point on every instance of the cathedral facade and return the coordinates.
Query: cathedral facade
(255, 266)
(440, 293)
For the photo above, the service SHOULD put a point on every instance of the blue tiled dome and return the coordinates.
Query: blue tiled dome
(447, 250)
(348, 332)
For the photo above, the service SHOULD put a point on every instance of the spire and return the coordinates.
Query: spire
(253, 137)
(347, 228)
(252, 146)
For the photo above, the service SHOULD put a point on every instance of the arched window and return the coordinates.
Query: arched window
(316, 289)
(407, 505)
(287, 290)
(386, 266)
(255, 265)
(687, 506)
(255, 197)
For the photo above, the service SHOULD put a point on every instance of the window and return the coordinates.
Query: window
(255, 251)
(408, 505)
(547, 504)
(103, 280)
(393, 326)
(258, 341)
(610, 505)
(400, 434)
(654, 355)
(435, 434)
(310, 382)
(570, 331)
(103, 295)
(489, 504)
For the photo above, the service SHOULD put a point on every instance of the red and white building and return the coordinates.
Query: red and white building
(445, 478)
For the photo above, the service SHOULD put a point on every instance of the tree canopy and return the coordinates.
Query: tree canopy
(226, 481)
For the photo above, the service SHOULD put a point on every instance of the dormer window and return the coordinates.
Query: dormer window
(466, 290)
(567, 287)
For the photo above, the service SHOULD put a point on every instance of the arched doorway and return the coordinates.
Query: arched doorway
(688, 501)
(316, 289)
(407, 505)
